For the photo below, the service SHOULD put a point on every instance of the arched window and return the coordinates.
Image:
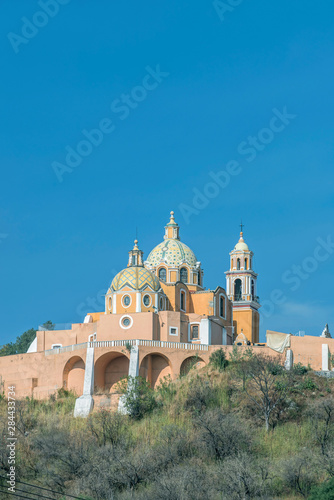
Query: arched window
(253, 289)
(183, 301)
(246, 263)
(222, 306)
(238, 263)
(199, 279)
(184, 275)
(162, 274)
(237, 289)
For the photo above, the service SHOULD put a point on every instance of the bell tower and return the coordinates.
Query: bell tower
(241, 290)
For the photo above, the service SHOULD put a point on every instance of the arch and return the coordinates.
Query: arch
(238, 264)
(184, 275)
(154, 367)
(238, 289)
(109, 369)
(74, 375)
(162, 274)
(246, 263)
(189, 363)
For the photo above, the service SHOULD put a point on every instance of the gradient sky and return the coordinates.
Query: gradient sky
(61, 243)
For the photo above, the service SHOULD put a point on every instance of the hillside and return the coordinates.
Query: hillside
(238, 429)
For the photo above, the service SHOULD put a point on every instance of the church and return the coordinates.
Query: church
(158, 320)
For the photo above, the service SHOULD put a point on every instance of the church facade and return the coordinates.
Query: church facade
(158, 321)
(163, 298)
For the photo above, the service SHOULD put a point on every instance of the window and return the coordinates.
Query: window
(161, 304)
(183, 301)
(238, 263)
(194, 332)
(222, 306)
(237, 289)
(125, 322)
(110, 302)
(199, 279)
(56, 346)
(184, 275)
(173, 330)
(253, 289)
(162, 274)
(146, 300)
(126, 300)
(246, 263)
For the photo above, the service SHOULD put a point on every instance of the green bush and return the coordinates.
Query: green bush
(323, 492)
(138, 396)
(308, 384)
(218, 359)
(299, 369)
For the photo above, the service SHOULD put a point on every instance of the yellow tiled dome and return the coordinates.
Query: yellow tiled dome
(136, 277)
(172, 252)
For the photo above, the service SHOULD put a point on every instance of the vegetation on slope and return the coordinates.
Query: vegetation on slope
(242, 429)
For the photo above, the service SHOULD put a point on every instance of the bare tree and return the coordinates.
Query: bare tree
(221, 435)
(266, 386)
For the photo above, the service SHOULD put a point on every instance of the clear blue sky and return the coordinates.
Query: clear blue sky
(62, 242)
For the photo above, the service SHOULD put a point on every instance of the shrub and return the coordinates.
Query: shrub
(221, 435)
(243, 477)
(299, 474)
(323, 492)
(299, 369)
(166, 389)
(138, 397)
(199, 395)
(218, 359)
(308, 384)
(108, 427)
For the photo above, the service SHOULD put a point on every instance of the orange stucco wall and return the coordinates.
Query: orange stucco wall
(41, 374)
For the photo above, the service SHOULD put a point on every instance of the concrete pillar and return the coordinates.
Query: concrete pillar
(205, 331)
(325, 358)
(114, 308)
(288, 360)
(133, 372)
(84, 404)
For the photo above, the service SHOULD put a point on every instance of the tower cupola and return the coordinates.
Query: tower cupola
(136, 256)
(241, 290)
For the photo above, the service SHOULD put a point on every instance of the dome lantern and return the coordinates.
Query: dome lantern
(172, 229)
(136, 256)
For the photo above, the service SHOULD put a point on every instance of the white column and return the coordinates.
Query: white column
(288, 360)
(138, 302)
(133, 372)
(114, 303)
(84, 404)
(205, 331)
(325, 358)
